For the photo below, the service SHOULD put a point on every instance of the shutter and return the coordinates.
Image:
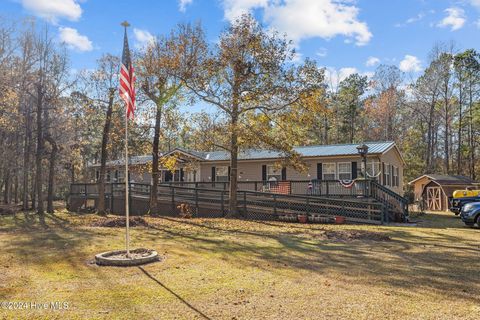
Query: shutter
(213, 173)
(384, 178)
(228, 178)
(319, 171)
(391, 176)
(264, 172)
(354, 169)
(284, 174)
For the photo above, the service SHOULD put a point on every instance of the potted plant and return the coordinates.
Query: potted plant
(302, 218)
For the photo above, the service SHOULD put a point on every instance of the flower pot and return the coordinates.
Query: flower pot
(302, 218)
(339, 219)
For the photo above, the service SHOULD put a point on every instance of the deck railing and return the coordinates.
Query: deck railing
(303, 196)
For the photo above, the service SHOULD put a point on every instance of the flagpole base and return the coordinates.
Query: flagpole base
(119, 258)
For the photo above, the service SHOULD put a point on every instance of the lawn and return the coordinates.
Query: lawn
(232, 269)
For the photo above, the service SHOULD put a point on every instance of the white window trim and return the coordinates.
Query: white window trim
(373, 166)
(225, 177)
(278, 176)
(334, 170)
(349, 171)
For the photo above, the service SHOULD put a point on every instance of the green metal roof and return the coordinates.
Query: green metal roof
(305, 151)
(252, 154)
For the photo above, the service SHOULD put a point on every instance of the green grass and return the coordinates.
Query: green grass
(232, 269)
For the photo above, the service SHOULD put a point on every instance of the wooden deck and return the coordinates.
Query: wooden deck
(206, 202)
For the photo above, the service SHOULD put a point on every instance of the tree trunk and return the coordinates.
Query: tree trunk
(72, 173)
(51, 173)
(33, 194)
(6, 191)
(15, 191)
(103, 156)
(39, 153)
(155, 162)
(460, 118)
(232, 205)
(446, 140)
(26, 156)
(470, 134)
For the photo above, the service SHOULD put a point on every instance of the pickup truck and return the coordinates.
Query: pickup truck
(456, 204)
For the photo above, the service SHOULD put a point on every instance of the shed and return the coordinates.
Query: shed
(434, 189)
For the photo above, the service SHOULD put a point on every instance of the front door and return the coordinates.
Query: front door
(434, 199)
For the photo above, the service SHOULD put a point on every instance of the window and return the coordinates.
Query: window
(116, 176)
(121, 176)
(176, 175)
(274, 173)
(344, 170)
(221, 174)
(97, 175)
(328, 171)
(396, 181)
(108, 176)
(386, 175)
(373, 169)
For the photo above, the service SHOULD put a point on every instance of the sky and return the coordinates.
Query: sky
(345, 36)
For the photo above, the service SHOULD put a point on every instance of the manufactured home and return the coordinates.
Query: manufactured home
(324, 162)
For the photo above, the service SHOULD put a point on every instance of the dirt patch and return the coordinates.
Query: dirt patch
(119, 222)
(350, 235)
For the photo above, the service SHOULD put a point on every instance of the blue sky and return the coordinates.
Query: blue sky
(343, 35)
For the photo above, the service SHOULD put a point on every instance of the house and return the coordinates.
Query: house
(324, 162)
(433, 190)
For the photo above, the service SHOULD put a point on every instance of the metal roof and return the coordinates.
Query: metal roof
(252, 154)
(305, 151)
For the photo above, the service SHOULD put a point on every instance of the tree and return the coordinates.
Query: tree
(383, 108)
(159, 68)
(100, 90)
(350, 103)
(248, 71)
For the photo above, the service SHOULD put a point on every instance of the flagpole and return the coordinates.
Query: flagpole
(127, 206)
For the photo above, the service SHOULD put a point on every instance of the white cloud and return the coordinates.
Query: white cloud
(333, 77)
(182, 4)
(142, 37)
(455, 19)
(372, 61)
(52, 10)
(75, 40)
(410, 63)
(302, 19)
(235, 8)
(322, 52)
(411, 20)
(475, 3)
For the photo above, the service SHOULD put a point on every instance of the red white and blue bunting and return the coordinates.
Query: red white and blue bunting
(347, 183)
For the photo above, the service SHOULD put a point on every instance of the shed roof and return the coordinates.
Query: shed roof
(453, 180)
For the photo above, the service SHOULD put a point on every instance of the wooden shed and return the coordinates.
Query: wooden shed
(434, 189)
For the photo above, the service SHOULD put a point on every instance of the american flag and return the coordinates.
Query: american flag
(127, 78)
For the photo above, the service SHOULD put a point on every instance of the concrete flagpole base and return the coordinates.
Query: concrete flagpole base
(119, 258)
